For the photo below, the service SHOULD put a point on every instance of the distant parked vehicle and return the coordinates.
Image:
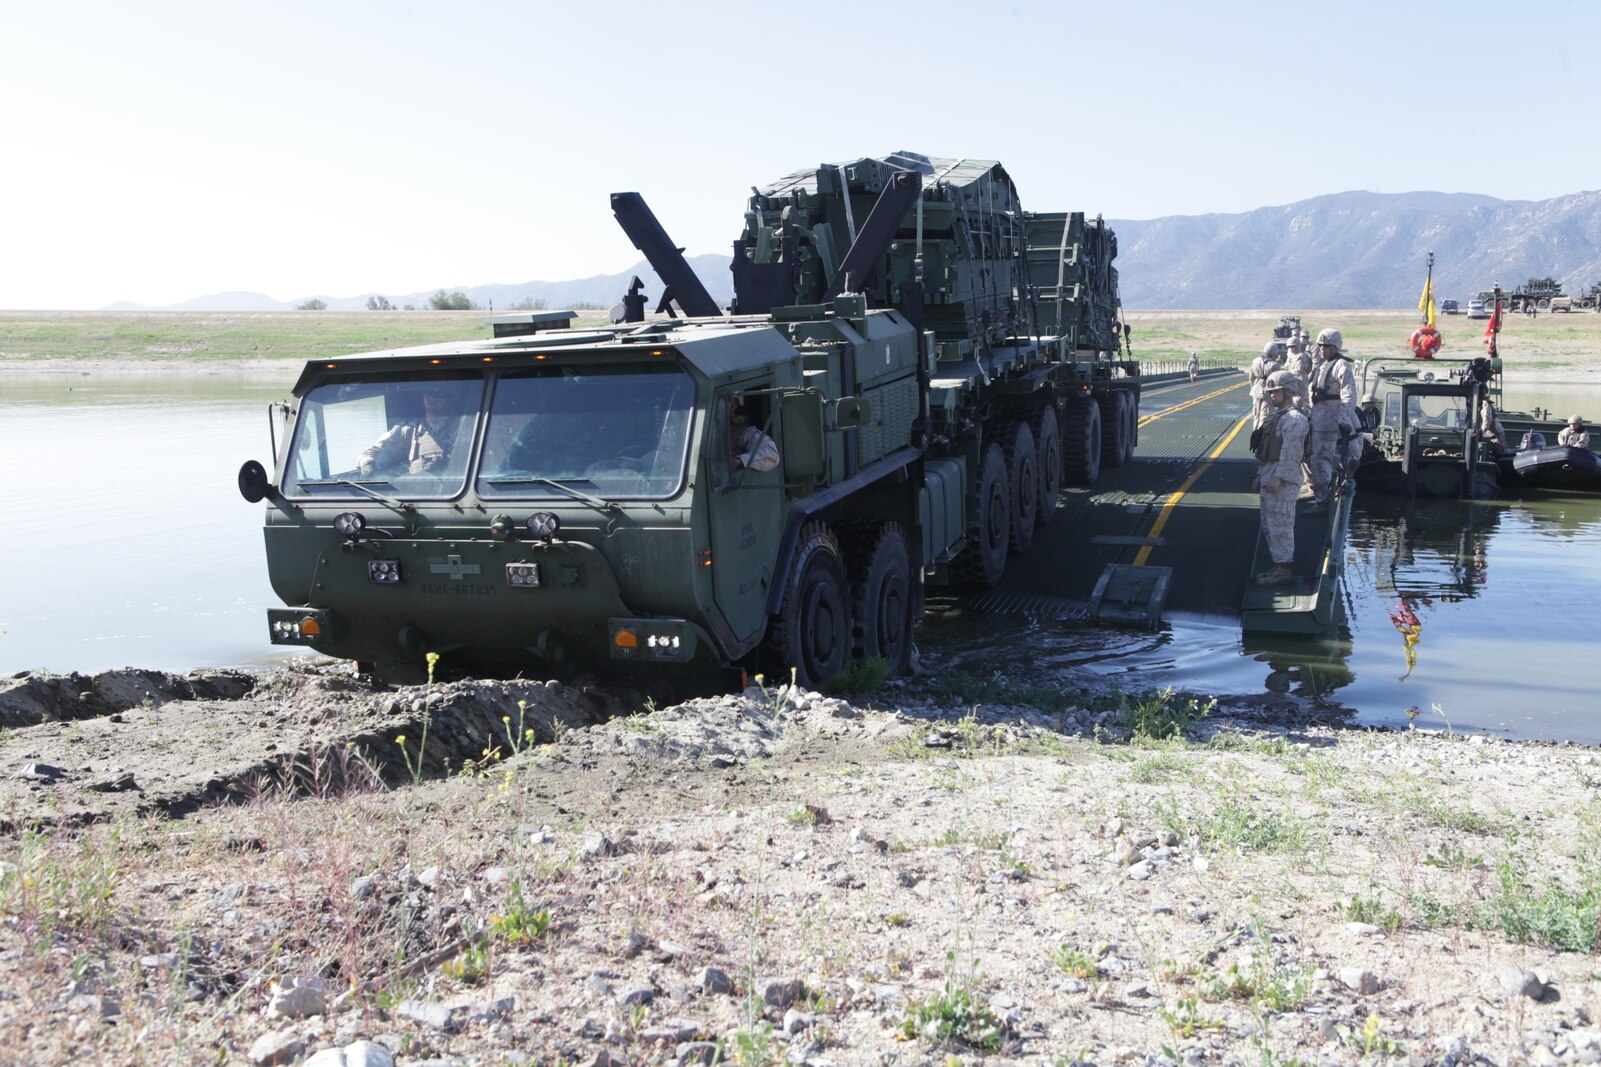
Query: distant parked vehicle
(1477, 310)
(1449, 307)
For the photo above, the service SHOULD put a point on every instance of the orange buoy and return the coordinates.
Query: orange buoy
(1425, 342)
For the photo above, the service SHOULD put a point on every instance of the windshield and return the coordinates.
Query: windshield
(1437, 412)
(606, 432)
(403, 437)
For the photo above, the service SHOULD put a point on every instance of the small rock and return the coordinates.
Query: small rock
(714, 980)
(1140, 871)
(425, 1013)
(298, 998)
(364, 887)
(1521, 982)
(596, 984)
(280, 1046)
(116, 783)
(780, 992)
(41, 772)
(167, 960)
(638, 995)
(671, 950)
(94, 1004)
(795, 1021)
(670, 1032)
(358, 1054)
(1360, 980)
(428, 877)
(699, 1052)
(496, 875)
(1363, 929)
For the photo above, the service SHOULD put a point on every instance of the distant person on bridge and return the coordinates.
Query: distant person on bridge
(1333, 414)
(1278, 475)
(1194, 366)
(1298, 361)
(1574, 435)
(1271, 359)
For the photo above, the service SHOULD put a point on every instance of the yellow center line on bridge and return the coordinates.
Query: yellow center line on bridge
(1148, 419)
(1173, 500)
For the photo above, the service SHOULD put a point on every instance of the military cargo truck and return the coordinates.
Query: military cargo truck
(929, 361)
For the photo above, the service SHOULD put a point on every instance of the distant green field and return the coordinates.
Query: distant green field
(1554, 344)
(227, 336)
(1550, 343)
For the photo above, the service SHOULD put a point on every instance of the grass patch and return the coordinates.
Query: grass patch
(1162, 715)
(1552, 914)
(862, 676)
(1239, 825)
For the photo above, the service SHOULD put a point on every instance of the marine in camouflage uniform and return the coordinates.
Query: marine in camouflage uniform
(1278, 475)
(1298, 361)
(1333, 411)
(417, 447)
(1271, 359)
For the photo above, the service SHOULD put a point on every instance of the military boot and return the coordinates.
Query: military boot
(1278, 575)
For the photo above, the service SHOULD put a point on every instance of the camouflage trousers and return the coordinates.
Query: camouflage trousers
(1323, 457)
(1278, 521)
(1261, 407)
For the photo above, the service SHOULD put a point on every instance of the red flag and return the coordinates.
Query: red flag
(1495, 321)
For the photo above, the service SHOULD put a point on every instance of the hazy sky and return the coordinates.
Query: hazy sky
(157, 151)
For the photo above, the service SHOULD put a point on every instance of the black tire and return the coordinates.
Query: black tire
(983, 561)
(1114, 429)
(1048, 439)
(1023, 481)
(881, 599)
(1081, 442)
(812, 631)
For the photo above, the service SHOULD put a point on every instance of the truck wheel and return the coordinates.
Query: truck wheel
(1048, 439)
(1081, 442)
(812, 632)
(1023, 480)
(1543, 304)
(881, 599)
(1114, 429)
(984, 559)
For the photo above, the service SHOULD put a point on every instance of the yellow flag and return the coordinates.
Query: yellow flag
(1426, 301)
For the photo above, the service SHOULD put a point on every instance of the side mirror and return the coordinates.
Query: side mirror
(254, 485)
(802, 450)
(852, 413)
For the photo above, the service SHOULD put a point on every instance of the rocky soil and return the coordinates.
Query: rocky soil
(283, 867)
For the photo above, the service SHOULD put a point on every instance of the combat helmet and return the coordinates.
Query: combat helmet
(1331, 337)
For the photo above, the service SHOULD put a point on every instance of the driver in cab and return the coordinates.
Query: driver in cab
(753, 449)
(424, 445)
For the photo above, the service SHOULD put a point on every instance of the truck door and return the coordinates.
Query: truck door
(746, 505)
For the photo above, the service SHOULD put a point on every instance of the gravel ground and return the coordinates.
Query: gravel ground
(253, 868)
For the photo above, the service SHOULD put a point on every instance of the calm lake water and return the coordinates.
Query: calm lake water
(128, 545)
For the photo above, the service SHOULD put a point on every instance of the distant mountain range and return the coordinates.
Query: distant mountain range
(1347, 250)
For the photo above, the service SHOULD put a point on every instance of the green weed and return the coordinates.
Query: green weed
(1073, 960)
(472, 966)
(1554, 915)
(1162, 715)
(862, 676)
(957, 1016)
(1371, 910)
(517, 922)
(964, 687)
(1237, 824)
(1186, 1020)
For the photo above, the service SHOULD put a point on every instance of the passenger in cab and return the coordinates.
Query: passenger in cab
(752, 448)
(425, 444)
